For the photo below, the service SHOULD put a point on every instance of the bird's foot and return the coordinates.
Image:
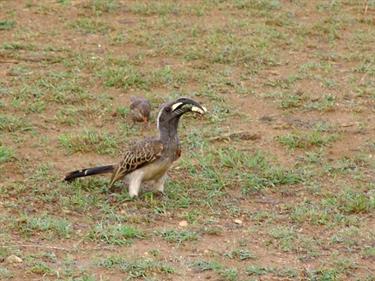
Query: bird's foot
(113, 198)
(160, 194)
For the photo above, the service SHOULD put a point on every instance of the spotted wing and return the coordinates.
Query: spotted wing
(136, 156)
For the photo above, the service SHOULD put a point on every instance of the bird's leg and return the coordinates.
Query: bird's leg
(159, 184)
(135, 183)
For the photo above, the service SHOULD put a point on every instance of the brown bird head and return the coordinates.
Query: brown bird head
(140, 109)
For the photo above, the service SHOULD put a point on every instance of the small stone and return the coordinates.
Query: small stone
(347, 125)
(183, 223)
(238, 221)
(13, 259)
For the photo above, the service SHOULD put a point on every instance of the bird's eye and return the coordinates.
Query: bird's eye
(168, 109)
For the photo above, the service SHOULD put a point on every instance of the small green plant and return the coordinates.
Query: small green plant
(179, 236)
(13, 124)
(202, 265)
(41, 268)
(325, 104)
(51, 226)
(313, 213)
(257, 270)
(118, 234)
(305, 140)
(7, 24)
(285, 237)
(226, 274)
(14, 46)
(154, 8)
(124, 77)
(6, 154)
(137, 268)
(279, 272)
(89, 25)
(291, 101)
(352, 202)
(5, 273)
(64, 2)
(122, 111)
(241, 254)
(325, 274)
(104, 6)
(347, 236)
(369, 252)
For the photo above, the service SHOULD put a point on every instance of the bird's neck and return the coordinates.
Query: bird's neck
(168, 133)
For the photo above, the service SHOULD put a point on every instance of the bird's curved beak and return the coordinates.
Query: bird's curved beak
(183, 105)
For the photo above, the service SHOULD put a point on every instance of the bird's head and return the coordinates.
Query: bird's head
(140, 109)
(171, 112)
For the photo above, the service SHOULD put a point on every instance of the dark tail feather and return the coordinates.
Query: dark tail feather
(89, 172)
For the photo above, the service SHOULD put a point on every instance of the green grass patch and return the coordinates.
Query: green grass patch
(41, 268)
(369, 252)
(103, 6)
(46, 225)
(306, 140)
(340, 208)
(7, 24)
(117, 234)
(123, 111)
(255, 270)
(155, 8)
(137, 268)
(324, 274)
(6, 154)
(325, 104)
(220, 169)
(16, 46)
(124, 77)
(175, 236)
(6, 273)
(89, 141)
(285, 238)
(226, 274)
(12, 124)
(90, 25)
(240, 254)
(260, 173)
(352, 202)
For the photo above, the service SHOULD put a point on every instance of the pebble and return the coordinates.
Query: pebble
(238, 221)
(183, 223)
(13, 259)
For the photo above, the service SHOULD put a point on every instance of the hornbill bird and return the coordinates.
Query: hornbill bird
(150, 158)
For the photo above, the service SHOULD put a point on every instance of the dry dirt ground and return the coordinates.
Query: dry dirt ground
(276, 182)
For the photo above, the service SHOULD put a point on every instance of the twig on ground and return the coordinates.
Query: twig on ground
(365, 8)
(242, 135)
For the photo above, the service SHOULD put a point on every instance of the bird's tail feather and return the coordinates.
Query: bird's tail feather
(89, 172)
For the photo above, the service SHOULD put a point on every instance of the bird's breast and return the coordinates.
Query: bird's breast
(155, 170)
